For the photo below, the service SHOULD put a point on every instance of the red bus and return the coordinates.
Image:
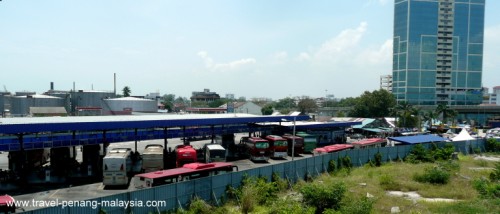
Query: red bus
(257, 148)
(331, 148)
(299, 144)
(185, 154)
(278, 145)
(369, 143)
(7, 204)
(184, 173)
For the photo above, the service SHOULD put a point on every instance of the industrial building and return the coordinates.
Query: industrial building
(89, 103)
(21, 103)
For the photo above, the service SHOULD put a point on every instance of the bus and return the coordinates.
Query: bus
(299, 144)
(184, 173)
(331, 149)
(278, 145)
(152, 158)
(7, 204)
(369, 143)
(184, 154)
(257, 148)
(117, 165)
(310, 142)
(214, 153)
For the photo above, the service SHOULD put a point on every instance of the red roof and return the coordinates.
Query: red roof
(190, 167)
(4, 199)
(369, 141)
(333, 148)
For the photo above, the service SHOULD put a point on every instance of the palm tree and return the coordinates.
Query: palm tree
(126, 91)
(446, 112)
(404, 112)
(429, 116)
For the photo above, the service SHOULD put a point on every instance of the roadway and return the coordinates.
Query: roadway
(95, 190)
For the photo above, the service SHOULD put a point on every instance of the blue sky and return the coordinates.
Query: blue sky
(255, 48)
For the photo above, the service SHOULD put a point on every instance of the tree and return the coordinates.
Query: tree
(373, 104)
(307, 105)
(217, 103)
(406, 114)
(285, 103)
(126, 91)
(168, 101)
(446, 112)
(267, 109)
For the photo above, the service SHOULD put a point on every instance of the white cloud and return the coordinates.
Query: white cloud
(280, 57)
(491, 56)
(343, 44)
(372, 2)
(234, 65)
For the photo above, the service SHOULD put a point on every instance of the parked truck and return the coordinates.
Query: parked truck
(152, 158)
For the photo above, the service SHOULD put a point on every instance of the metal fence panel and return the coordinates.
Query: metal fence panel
(301, 169)
(203, 188)
(236, 178)
(289, 168)
(185, 191)
(146, 195)
(363, 157)
(219, 185)
(165, 193)
(279, 169)
(266, 172)
(114, 203)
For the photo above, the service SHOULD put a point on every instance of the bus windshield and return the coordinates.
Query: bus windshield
(262, 145)
(280, 143)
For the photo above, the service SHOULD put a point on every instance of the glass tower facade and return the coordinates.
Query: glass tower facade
(438, 51)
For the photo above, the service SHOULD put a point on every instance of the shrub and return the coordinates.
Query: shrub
(378, 159)
(363, 206)
(289, 206)
(280, 183)
(487, 189)
(419, 154)
(443, 153)
(387, 182)
(433, 175)
(331, 166)
(492, 145)
(198, 205)
(495, 175)
(249, 199)
(346, 162)
(323, 196)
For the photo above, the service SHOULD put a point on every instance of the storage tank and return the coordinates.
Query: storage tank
(20, 105)
(127, 105)
(89, 102)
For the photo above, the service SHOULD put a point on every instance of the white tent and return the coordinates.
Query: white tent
(463, 135)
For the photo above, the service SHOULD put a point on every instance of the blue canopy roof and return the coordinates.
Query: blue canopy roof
(418, 139)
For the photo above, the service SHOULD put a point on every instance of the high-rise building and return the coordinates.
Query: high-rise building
(438, 51)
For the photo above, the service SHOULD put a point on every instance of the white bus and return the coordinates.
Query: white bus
(152, 158)
(117, 165)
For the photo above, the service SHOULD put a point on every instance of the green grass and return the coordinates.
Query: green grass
(391, 176)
